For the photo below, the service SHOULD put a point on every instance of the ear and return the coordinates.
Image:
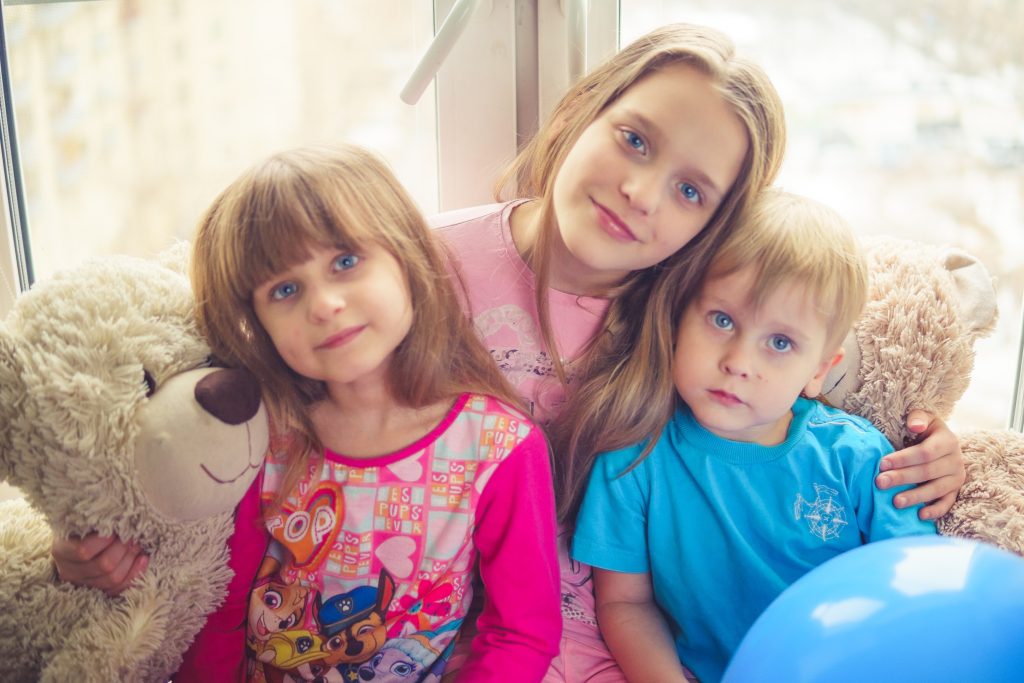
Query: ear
(976, 293)
(813, 387)
(385, 591)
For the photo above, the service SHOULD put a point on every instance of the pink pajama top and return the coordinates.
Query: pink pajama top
(368, 571)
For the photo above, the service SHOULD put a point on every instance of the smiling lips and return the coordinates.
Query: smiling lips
(613, 225)
(341, 338)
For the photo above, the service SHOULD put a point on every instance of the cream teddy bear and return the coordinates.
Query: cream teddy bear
(914, 348)
(111, 420)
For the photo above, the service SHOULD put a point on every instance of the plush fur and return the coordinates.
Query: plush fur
(914, 348)
(112, 421)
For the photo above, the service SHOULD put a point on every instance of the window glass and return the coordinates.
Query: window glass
(132, 115)
(908, 119)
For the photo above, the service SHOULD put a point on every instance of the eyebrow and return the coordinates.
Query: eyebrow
(699, 175)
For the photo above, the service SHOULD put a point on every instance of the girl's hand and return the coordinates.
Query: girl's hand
(934, 462)
(103, 562)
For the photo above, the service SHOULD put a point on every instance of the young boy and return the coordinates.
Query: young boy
(752, 483)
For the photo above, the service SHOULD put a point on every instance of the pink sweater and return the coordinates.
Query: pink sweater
(500, 289)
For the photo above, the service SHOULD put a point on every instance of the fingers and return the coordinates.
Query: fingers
(918, 421)
(938, 448)
(938, 507)
(101, 562)
(930, 492)
(935, 464)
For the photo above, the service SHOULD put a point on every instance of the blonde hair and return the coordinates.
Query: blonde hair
(789, 239)
(612, 387)
(269, 218)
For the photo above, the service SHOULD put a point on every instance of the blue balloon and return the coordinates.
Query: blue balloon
(921, 608)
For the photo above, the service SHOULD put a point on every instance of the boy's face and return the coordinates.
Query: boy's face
(740, 369)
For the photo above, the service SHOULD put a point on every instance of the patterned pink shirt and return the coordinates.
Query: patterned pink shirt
(368, 574)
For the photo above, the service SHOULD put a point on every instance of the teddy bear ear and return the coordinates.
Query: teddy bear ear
(176, 257)
(976, 291)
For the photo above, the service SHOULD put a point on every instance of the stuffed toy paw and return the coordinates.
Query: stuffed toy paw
(913, 347)
(113, 421)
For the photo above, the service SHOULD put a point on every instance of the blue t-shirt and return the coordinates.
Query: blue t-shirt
(723, 527)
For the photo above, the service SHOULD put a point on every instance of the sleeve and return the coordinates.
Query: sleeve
(877, 517)
(218, 652)
(519, 630)
(611, 528)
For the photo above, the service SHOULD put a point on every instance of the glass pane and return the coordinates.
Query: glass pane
(908, 119)
(132, 115)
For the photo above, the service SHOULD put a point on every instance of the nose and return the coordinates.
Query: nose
(232, 395)
(642, 188)
(736, 361)
(325, 301)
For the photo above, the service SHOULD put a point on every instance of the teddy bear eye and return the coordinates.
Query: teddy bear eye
(150, 383)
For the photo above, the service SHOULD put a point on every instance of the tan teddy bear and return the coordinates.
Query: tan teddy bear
(112, 421)
(914, 348)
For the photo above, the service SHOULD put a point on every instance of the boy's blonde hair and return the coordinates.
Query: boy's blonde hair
(790, 239)
(270, 218)
(612, 387)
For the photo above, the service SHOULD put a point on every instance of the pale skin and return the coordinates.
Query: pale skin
(635, 188)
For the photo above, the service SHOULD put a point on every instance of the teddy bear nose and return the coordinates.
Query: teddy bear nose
(232, 395)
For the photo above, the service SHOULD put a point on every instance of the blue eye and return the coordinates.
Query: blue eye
(689, 193)
(634, 141)
(721, 320)
(283, 291)
(780, 343)
(346, 262)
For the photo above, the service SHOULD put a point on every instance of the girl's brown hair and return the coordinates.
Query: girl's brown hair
(268, 220)
(622, 391)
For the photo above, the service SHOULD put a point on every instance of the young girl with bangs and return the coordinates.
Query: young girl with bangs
(637, 175)
(400, 459)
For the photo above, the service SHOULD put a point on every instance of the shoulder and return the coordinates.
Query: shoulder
(834, 426)
(450, 222)
(496, 428)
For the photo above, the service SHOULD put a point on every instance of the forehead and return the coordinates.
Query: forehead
(681, 109)
(789, 306)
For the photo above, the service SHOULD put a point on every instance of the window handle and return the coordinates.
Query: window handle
(452, 27)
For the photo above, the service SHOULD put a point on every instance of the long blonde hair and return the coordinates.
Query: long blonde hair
(611, 402)
(269, 218)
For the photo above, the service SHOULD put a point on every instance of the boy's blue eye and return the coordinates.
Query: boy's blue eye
(780, 343)
(689, 193)
(346, 262)
(283, 291)
(634, 141)
(721, 320)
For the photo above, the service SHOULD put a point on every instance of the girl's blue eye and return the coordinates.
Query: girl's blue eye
(721, 320)
(780, 343)
(346, 262)
(283, 291)
(634, 141)
(689, 193)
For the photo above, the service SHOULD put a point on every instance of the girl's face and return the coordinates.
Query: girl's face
(646, 176)
(339, 315)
